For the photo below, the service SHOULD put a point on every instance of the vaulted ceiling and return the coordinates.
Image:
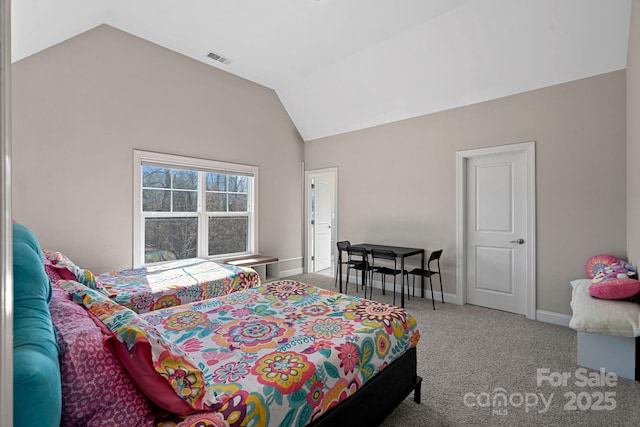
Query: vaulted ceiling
(343, 65)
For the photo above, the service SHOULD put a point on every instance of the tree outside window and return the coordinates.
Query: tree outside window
(193, 212)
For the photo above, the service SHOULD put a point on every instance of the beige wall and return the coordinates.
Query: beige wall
(81, 107)
(397, 181)
(633, 137)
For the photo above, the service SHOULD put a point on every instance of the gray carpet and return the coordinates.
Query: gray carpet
(468, 353)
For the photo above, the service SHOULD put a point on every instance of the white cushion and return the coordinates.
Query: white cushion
(599, 316)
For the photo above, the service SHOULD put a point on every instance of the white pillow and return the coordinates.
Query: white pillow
(600, 316)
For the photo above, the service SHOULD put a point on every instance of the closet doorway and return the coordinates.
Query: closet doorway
(320, 219)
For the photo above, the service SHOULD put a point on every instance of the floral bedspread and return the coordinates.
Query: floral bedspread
(281, 354)
(175, 283)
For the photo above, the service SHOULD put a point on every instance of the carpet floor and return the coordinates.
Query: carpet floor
(484, 367)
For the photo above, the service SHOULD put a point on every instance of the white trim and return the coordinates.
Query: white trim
(377, 284)
(296, 258)
(6, 257)
(461, 271)
(528, 148)
(307, 210)
(141, 157)
(138, 231)
(553, 318)
(308, 250)
(291, 272)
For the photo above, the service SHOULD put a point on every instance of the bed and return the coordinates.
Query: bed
(283, 353)
(160, 285)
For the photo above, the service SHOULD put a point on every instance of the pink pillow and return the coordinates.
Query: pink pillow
(597, 263)
(70, 271)
(96, 390)
(140, 365)
(181, 389)
(54, 275)
(615, 288)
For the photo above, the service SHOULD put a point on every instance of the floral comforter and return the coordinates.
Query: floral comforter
(282, 353)
(175, 283)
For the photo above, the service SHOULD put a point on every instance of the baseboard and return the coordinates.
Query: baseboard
(291, 272)
(554, 318)
(377, 283)
(541, 315)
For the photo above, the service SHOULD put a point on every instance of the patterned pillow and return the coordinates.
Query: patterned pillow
(164, 373)
(597, 263)
(71, 271)
(96, 390)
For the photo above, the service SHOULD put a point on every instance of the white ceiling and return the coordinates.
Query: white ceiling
(343, 65)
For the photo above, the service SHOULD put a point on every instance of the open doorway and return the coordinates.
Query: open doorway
(321, 213)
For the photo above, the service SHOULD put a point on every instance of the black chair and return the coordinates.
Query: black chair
(429, 272)
(359, 261)
(384, 271)
(342, 259)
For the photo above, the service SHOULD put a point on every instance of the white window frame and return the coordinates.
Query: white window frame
(143, 158)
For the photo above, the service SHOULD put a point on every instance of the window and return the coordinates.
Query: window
(186, 208)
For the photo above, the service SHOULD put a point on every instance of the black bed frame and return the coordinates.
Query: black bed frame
(637, 373)
(378, 397)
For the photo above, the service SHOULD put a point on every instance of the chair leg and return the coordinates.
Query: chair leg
(371, 290)
(433, 301)
(365, 288)
(356, 281)
(441, 291)
(364, 282)
(394, 289)
(348, 276)
(407, 282)
(346, 285)
(370, 286)
(414, 284)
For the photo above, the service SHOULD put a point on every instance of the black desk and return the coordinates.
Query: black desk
(400, 251)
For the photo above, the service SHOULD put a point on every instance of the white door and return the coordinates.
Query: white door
(498, 230)
(321, 205)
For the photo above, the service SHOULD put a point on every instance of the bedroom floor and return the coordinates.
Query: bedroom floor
(468, 355)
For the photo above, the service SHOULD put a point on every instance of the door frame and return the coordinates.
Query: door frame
(6, 239)
(462, 157)
(308, 230)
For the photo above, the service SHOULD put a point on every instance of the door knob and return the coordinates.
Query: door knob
(519, 241)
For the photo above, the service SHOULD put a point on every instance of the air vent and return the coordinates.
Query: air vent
(218, 58)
